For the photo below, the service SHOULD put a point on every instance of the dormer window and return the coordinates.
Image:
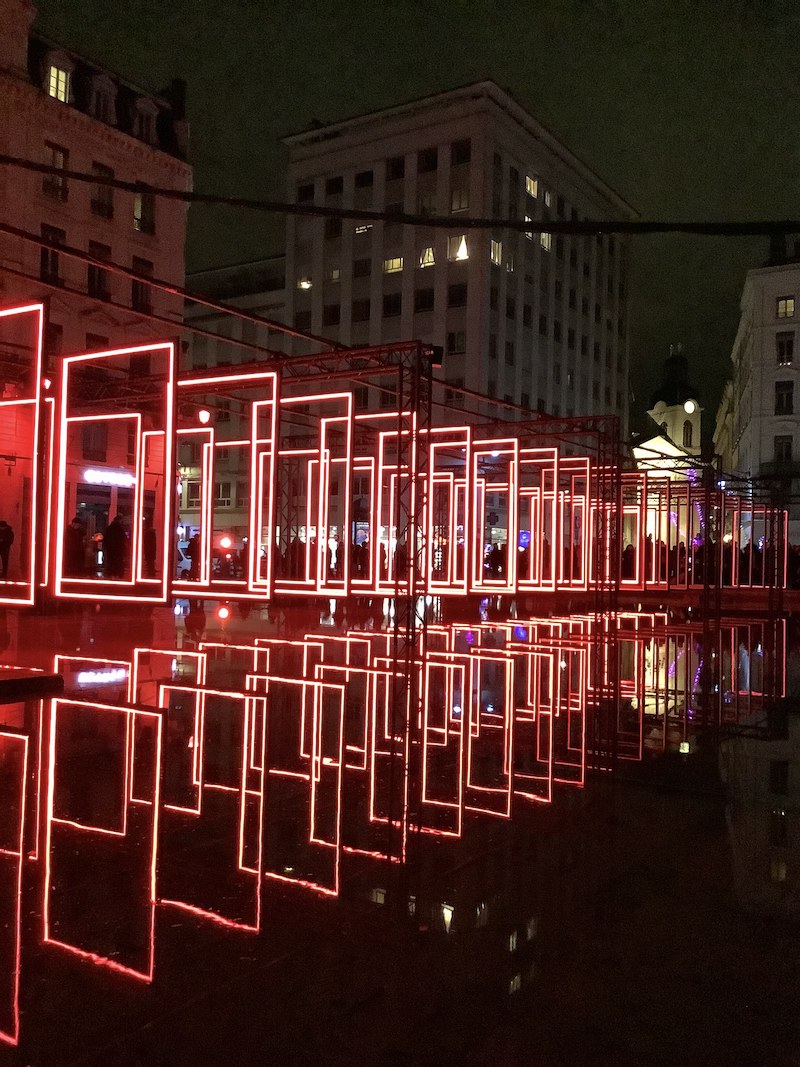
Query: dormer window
(144, 123)
(103, 99)
(58, 83)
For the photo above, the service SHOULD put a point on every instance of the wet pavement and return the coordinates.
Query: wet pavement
(568, 840)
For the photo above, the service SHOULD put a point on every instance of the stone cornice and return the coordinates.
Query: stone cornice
(35, 101)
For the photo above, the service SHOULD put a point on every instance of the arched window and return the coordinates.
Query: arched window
(664, 428)
(687, 434)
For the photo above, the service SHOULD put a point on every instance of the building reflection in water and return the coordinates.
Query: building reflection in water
(207, 777)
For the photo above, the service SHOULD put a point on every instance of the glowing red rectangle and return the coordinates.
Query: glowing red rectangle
(13, 777)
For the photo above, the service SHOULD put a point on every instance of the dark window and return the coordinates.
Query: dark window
(573, 256)
(395, 168)
(361, 397)
(559, 247)
(302, 320)
(572, 298)
(778, 836)
(491, 388)
(687, 433)
(585, 305)
(557, 373)
(511, 307)
(560, 206)
(54, 339)
(584, 344)
(305, 192)
(587, 270)
(570, 338)
(96, 342)
(427, 160)
(394, 209)
(460, 152)
(779, 777)
(97, 279)
(360, 311)
(102, 194)
(95, 441)
(48, 256)
(494, 298)
(540, 404)
(457, 295)
(423, 300)
(334, 186)
(392, 304)
(55, 185)
(509, 353)
(597, 313)
(144, 211)
(784, 398)
(492, 346)
(525, 400)
(783, 449)
(543, 325)
(331, 314)
(333, 228)
(556, 330)
(527, 315)
(596, 352)
(140, 290)
(364, 179)
(784, 347)
(361, 268)
(497, 159)
(456, 342)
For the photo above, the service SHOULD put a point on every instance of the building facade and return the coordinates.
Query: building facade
(757, 434)
(529, 318)
(61, 110)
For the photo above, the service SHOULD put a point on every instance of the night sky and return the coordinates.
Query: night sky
(688, 108)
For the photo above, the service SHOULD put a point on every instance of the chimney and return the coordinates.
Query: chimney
(16, 18)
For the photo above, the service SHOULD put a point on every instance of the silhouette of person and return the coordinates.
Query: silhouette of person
(6, 541)
(74, 549)
(149, 547)
(193, 552)
(114, 540)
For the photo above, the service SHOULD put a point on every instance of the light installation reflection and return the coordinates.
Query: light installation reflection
(327, 492)
(281, 761)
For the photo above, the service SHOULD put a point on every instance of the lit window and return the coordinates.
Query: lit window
(447, 916)
(497, 252)
(364, 227)
(546, 240)
(784, 307)
(530, 929)
(144, 211)
(531, 185)
(304, 283)
(393, 265)
(457, 247)
(58, 84)
(459, 200)
(529, 233)
(510, 263)
(334, 274)
(378, 896)
(515, 984)
(427, 258)
(548, 198)
(512, 941)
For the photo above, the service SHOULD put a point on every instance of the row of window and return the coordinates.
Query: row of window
(58, 85)
(98, 279)
(427, 163)
(56, 187)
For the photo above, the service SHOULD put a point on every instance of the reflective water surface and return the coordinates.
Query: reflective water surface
(285, 837)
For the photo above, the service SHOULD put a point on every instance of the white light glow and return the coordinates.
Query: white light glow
(122, 479)
(107, 677)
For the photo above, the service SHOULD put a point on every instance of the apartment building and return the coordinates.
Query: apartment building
(757, 431)
(530, 318)
(60, 109)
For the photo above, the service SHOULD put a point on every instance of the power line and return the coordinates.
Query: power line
(113, 267)
(576, 227)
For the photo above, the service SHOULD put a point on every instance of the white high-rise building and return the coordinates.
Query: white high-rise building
(531, 318)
